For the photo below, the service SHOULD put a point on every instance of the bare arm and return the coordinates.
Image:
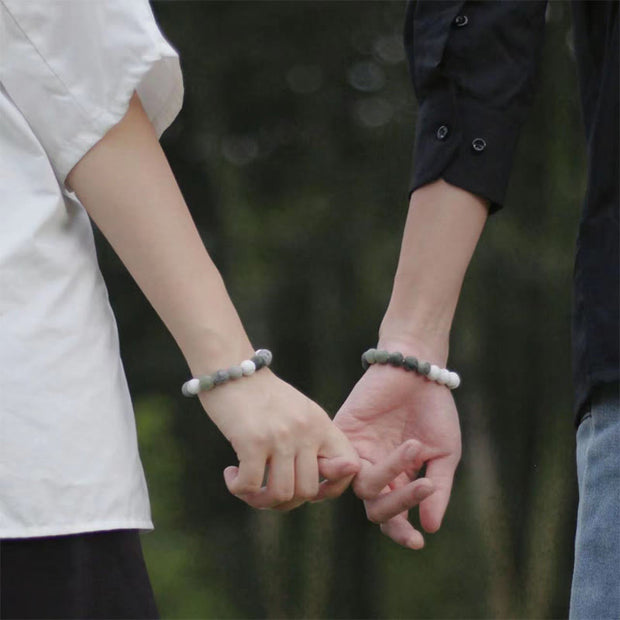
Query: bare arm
(127, 187)
(442, 229)
(398, 421)
(473, 69)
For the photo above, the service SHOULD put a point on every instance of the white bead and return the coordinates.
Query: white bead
(454, 381)
(192, 387)
(248, 367)
(433, 375)
(444, 376)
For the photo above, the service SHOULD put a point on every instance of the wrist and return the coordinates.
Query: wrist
(211, 350)
(418, 343)
(419, 314)
(427, 337)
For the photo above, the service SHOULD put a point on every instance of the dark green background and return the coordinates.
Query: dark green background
(293, 151)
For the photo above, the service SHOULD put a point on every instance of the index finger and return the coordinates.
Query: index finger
(432, 510)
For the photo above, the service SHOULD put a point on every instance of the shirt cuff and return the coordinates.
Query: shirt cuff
(466, 144)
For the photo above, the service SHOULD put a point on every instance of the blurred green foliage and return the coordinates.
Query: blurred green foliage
(293, 152)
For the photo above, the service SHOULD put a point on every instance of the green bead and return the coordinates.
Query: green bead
(396, 359)
(221, 376)
(371, 356)
(411, 363)
(424, 368)
(235, 372)
(368, 358)
(382, 356)
(206, 382)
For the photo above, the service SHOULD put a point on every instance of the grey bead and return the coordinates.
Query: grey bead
(206, 382)
(235, 372)
(185, 392)
(424, 368)
(371, 356)
(368, 358)
(396, 359)
(221, 376)
(266, 354)
(259, 361)
(382, 356)
(411, 363)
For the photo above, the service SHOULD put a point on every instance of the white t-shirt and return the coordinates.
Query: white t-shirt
(68, 453)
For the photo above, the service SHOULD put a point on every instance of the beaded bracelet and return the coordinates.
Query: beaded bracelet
(259, 360)
(443, 376)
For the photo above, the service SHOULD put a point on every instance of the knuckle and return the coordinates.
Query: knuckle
(410, 445)
(282, 434)
(354, 465)
(372, 516)
(246, 488)
(247, 442)
(280, 496)
(307, 494)
(361, 489)
(260, 438)
(301, 421)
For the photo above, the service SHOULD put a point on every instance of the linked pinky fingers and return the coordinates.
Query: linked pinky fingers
(331, 489)
(338, 467)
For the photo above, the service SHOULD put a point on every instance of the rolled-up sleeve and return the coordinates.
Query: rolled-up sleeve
(72, 66)
(473, 66)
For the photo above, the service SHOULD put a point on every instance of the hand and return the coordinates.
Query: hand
(275, 429)
(398, 422)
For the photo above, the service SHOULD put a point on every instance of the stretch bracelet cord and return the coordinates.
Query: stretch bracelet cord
(443, 376)
(204, 383)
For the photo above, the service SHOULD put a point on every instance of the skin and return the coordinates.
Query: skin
(128, 189)
(398, 418)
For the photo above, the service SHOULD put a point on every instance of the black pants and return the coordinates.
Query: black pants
(94, 575)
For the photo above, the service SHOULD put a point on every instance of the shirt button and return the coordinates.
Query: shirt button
(478, 145)
(460, 21)
(442, 132)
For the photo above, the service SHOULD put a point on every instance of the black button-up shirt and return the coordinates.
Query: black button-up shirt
(472, 65)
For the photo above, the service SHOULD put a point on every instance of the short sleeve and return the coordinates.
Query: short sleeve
(72, 66)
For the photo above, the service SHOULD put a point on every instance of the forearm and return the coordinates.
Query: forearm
(127, 187)
(443, 226)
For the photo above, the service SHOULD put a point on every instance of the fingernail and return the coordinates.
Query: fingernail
(415, 543)
(425, 489)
